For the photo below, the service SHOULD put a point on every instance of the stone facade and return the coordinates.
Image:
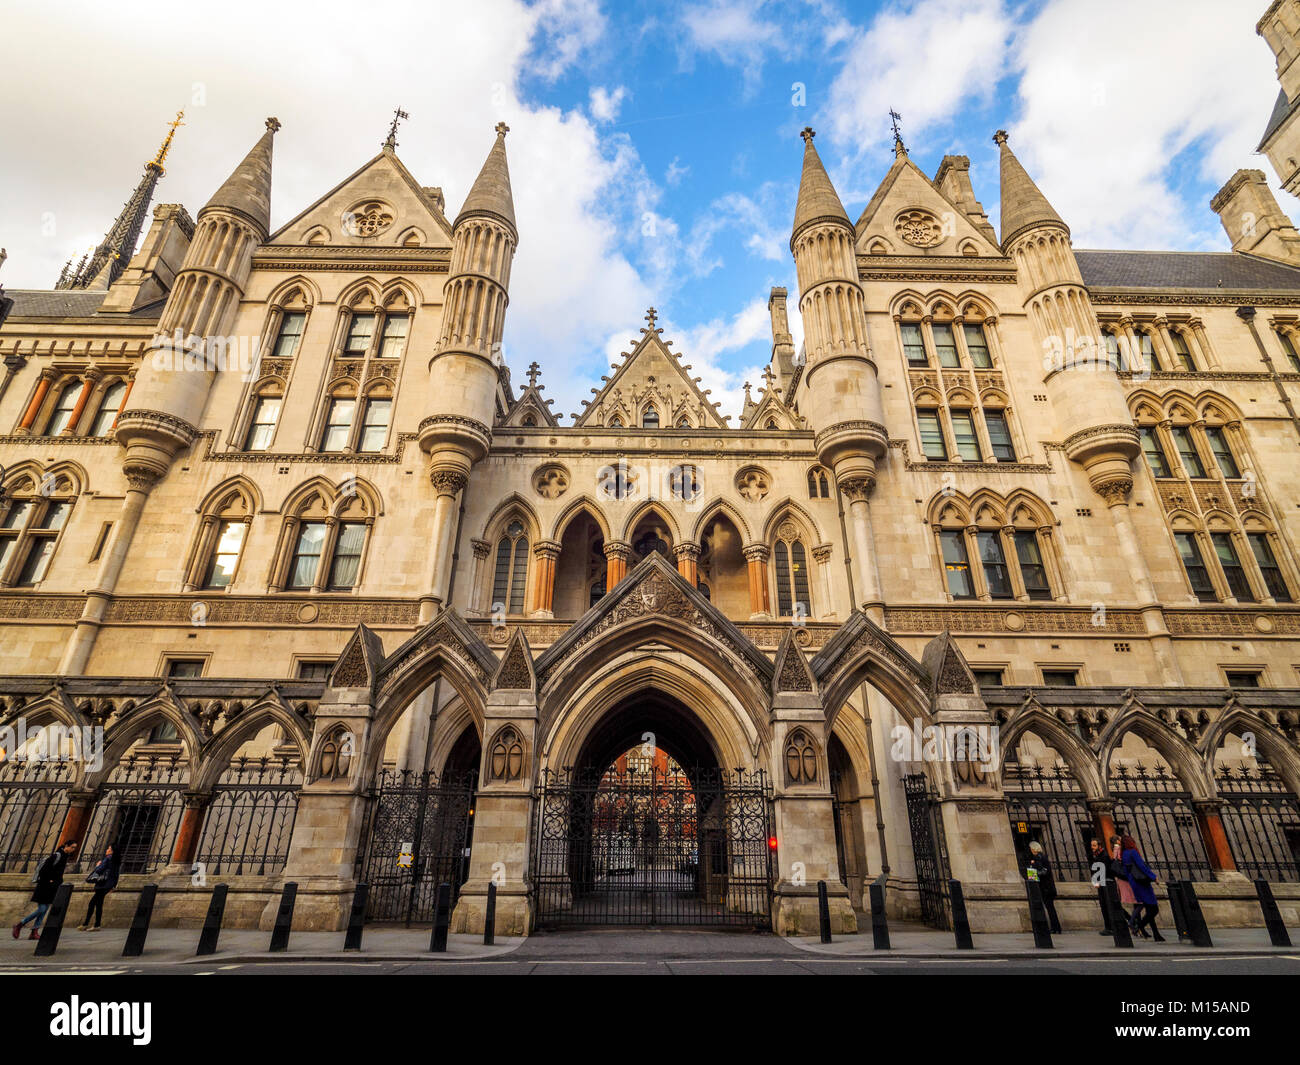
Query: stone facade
(1004, 486)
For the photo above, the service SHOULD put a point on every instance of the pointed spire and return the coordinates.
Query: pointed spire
(490, 194)
(1023, 205)
(248, 190)
(818, 201)
(109, 258)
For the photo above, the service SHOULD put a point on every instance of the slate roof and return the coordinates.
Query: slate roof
(1186, 270)
(65, 303)
(1281, 109)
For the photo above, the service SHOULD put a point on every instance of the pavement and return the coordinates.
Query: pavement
(615, 950)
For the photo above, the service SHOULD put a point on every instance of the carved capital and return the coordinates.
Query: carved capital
(547, 549)
(757, 553)
(448, 482)
(481, 548)
(1114, 490)
(618, 549)
(857, 489)
(688, 551)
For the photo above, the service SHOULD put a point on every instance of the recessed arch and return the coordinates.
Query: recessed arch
(583, 504)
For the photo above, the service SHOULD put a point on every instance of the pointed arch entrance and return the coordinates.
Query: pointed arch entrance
(649, 827)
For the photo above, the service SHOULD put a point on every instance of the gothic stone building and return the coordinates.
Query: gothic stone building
(359, 608)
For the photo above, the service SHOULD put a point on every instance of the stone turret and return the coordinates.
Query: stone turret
(1085, 392)
(177, 372)
(839, 392)
(464, 368)
(1253, 220)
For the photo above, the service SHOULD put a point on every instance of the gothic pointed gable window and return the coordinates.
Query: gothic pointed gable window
(261, 426)
(32, 518)
(325, 541)
(64, 405)
(1182, 353)
(819, 485)
(510, 575)
(506, 758)
(800, 758)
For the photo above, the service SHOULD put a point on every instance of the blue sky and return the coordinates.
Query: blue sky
(654, 147)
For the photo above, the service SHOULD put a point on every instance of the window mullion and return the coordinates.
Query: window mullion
(975, 563)
(326, 559)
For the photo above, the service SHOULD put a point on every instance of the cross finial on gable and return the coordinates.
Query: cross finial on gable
(807, 133)
(652, 316)
(533, 370)
(768, 375)
(502, 128)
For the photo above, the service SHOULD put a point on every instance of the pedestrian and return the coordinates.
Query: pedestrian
(1046, 883)
(1117, 870)
(1099, 862)
(49, 875)
(1142, 880)
(104, 878)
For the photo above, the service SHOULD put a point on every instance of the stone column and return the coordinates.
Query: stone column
(76, 822)
(503, 811)
(547, 553)
(822, 556)
(447, 483)
(1216, 840)
(92, 375)
(1115, 491)
(130, 384)
(33, 408)
(688, 562)
(857, 490)
(617, 555)
(1207, 360)
(481, 549)
(760, 598)
(190, 829)
(1103, 816)
(332, 807)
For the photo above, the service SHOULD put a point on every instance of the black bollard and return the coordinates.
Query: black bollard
(1104, 903)
(284, 918)
(1196, 926)
(441, 920)
(1038, 916)
(140, 922)
(53, 928)
(1118, 918)
(212, 922)
(960, 922)
(823, 912)
(356, 918)
(1179, 909)
(1277, 933)
(879, 920)
(490, 917)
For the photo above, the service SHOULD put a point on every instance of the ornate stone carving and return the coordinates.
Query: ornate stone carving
(447, 482)
(551, 481)
(516, 670)
(918, 227)
(506, 756)
(1114, 490)
(800, 758)
(857, 489)
(753, 483)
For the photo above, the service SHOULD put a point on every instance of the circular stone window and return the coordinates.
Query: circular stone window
(367, 219)
(919, 228)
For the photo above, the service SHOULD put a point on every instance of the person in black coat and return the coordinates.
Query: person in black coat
(1046, 884)
(104, 878)
(49, 875)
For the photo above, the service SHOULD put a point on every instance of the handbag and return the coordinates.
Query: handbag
(96, 875)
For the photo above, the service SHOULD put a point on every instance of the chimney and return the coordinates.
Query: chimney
(153, 269)
(1253, 220)
(953, 180)
(782, 341)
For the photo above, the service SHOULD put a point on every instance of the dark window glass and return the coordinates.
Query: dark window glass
(932, 442)
(945, 344)
(963, 432)
(1147, 349)
(1289, 349)
(1233, 572)
(1187, 451)
(1242, 678)
(1061, 678)
(978, 346)
(995, 564)
(314, 670)
(1190, 552)
(1222, 452)
(1181, 351)
(650, 419)
(181, 668)
(1154, 451)
(1032, 570)
(956, 565)
(913, 345)
(347, 556)
(290, 335)
(781, 555)
(988, 678)
(1268, 567)
(1000, 436)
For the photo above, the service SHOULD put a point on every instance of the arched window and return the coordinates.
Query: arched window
(933, 445)
(511, 573)
(261, 425)
(1288, 349)
(650, 418)
(289, 336)
(683, 422)
(31, 521)
(325, 542)
(529, 421)
(1182, 353)
(790, 561)
(819, 485)
(771, 424)
(1010, 550)
(221, 541)
(64, 405)
(1146, 349)
(616, 422)
(110, 405)
(650, 543)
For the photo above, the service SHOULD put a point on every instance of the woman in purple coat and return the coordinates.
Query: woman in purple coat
(1142, 880)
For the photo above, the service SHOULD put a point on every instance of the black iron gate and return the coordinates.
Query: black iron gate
(419, 837)
(929, 849)
(653, 848)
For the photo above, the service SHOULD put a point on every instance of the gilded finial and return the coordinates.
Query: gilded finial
(161, 157)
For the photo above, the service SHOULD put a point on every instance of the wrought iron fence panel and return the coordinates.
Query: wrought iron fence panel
(1046, 804)
(653, 848)
(1153, 807)
(138, 812)
(33, 805)
(419, 833)
(929, 850)
(1261, 818)
(250, 818)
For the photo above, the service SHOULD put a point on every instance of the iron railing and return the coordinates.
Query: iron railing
(929, 850)
(1261, 818)
(250, 818)
(33, 806)
(1045, 804)
(139, 812)
(1154, 808)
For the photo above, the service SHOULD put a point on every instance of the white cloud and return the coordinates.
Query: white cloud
(736, 32)
(1104, 114)
(674, 174)
(702, 347)
(925, 59)
(605, 105)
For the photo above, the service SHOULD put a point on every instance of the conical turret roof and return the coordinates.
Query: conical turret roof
(1023, 204)
(248, 190)
(818, 200)
(491, 194)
